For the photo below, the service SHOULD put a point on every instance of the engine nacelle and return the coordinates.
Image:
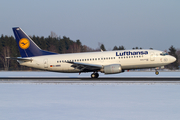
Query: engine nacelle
(111, 69)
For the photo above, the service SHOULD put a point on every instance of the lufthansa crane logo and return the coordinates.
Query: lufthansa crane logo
(24, 43)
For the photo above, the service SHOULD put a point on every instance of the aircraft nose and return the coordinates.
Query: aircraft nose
(173, 59)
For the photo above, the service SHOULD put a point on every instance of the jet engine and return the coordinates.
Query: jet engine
(111, 69)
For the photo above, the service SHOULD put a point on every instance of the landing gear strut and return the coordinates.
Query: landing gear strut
(94, 75)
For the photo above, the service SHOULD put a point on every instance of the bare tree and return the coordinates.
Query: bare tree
(5, 53)
(74, 48)
(53, 35)
(86, 49)
(53, 48)
(178, 54)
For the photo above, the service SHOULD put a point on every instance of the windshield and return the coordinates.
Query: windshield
(163, 53)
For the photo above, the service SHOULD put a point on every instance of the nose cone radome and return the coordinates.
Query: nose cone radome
(173, 59)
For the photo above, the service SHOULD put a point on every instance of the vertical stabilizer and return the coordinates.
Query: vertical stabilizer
(26, 45)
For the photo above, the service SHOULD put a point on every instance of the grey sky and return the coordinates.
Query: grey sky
(141, 23)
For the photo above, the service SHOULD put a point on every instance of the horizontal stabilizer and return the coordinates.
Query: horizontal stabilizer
(19, 58)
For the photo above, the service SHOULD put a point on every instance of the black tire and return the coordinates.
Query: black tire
(93, 75)
(157, 72)
(97, 75)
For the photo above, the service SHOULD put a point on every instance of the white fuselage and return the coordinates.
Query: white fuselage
(128, 59)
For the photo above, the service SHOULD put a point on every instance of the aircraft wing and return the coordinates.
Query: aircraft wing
(19, 58)
(84, 67)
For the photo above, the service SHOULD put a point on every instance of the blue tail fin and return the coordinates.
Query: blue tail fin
(26, 45)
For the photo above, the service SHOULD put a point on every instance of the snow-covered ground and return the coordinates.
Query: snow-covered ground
(111, 101)
(89, 101)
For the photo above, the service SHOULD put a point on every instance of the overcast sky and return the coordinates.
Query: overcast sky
(131, 23)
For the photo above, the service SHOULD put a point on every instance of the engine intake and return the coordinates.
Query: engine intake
(111, 69)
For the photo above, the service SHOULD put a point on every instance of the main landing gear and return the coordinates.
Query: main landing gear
(95, 75)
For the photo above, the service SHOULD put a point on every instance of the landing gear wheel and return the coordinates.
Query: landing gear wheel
(157, 72)
(94, 75)
(97, 75)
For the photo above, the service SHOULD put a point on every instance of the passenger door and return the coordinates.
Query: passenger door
(45, 63)
(152, 56)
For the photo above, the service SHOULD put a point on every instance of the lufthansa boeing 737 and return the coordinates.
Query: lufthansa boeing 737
(108, 62)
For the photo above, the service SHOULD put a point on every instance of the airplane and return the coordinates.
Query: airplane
(107, 62)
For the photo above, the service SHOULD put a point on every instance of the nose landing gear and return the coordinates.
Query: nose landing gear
(157, 72)
(95, 75)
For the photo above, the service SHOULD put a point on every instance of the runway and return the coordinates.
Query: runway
(92, 81)
(51, 77)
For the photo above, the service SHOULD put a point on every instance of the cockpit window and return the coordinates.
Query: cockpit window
(163, 53)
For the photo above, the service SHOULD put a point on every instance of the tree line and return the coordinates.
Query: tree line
(9, 48)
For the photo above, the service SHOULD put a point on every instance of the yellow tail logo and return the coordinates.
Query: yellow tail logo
(24, 43)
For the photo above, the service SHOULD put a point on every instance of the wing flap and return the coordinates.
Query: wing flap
(85, 67)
